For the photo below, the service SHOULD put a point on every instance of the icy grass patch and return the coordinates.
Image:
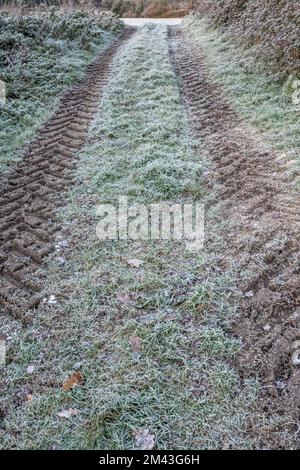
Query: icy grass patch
(141, 145)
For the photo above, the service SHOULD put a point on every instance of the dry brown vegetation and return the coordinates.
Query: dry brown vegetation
(159, 8)
(125, 8)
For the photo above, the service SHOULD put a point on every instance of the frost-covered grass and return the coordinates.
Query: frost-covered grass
(141, 132)
(40, 57)
(260, 98)
(150, 341)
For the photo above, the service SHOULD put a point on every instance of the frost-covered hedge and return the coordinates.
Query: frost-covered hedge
(33, 31)
(41, 55)
(270, 28)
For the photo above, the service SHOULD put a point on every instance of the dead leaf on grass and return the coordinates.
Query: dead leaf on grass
(134, 262)
(74, 379)
(67, 413)
(143, 439)
(135, 342)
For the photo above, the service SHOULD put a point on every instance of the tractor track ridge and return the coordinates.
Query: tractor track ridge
(255, 194)
(31, 190)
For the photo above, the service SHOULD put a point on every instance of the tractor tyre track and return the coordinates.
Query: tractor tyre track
(255, 194)
(31, 191)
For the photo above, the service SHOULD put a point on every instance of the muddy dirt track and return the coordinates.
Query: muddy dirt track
(254, 192)
(31, 192)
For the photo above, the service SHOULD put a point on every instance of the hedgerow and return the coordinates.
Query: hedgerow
(269, 28)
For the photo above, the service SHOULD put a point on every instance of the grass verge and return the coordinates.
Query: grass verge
(42, 55)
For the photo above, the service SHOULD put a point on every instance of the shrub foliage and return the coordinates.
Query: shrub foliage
(270, 28)
(41, 55)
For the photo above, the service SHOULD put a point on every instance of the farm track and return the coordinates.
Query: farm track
(31, 191)
(254, 192)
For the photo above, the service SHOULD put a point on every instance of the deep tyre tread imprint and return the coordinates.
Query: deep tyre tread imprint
(31, 191)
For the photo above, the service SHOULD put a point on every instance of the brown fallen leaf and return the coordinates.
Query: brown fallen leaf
(74, 379)
(143, 439)
(134, 262)
(67, 413)
(135, 342)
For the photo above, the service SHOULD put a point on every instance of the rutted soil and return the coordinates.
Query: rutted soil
(32, 190)
(255, 194)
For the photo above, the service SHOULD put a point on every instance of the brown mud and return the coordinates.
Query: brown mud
(256, 196)
(31, 191)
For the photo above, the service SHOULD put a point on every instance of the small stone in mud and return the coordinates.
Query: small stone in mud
(249, 294)
(267, 327)
(280, 384)
(296, 358)
(296, 344)
(51, 300)
(62, 244)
